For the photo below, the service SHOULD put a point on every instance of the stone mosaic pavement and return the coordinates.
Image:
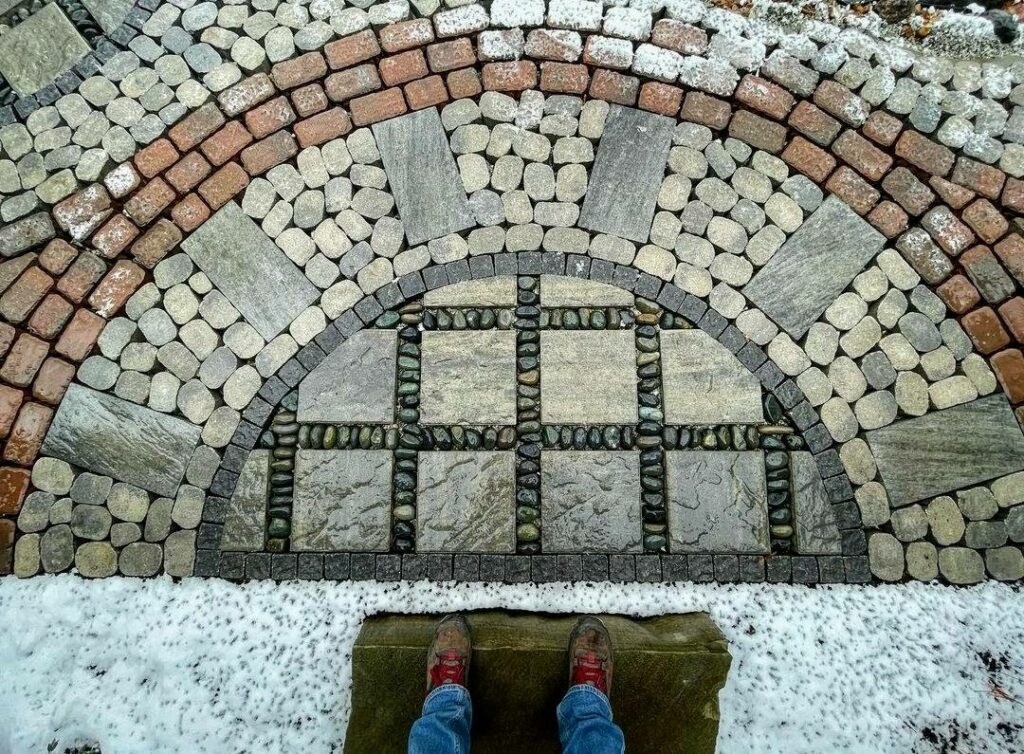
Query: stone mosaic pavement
(514, 291)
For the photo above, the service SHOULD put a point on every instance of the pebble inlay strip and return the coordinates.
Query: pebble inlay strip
(528, 428)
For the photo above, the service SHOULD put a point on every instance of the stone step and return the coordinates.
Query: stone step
(668, 672)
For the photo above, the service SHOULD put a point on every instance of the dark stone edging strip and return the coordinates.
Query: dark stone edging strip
(791, 400)
(528, 423)
(650, 427)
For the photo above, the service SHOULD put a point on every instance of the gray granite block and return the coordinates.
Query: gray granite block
(245, 524)
(355, 383)
(814, 520)
(110, 14)
(250, 270)
(948, 450)
(814, 266)
(423, 177)
(627, 173)
(40, 48)
(128, 442)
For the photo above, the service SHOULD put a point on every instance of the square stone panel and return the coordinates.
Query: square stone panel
(39, 49)
(468, 377)
(355, 383)
(717, 502)
(590, 501)
(588, 377)
(466, 502)
(342, 500)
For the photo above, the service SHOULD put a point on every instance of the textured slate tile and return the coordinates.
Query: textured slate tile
(814, 266)
(246, 521)
(250, 270)
(607, 359)
(355, 383)
(815, 522)
(491, 291)
(947, 450)
(40, 48)
(423, 177)
(110, 14)
(128, 442)
(627, 173)
(468, 377)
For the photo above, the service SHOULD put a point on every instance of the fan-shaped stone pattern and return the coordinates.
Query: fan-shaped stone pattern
(131, 443)
(627, 172)
(245, 524)
(250, 270)
(704, 383)
(814, 266)
(39, 49)
(423, 176)
(717, 502)
(948, 450)
(468, 377)
(815, 526)
(355, 383)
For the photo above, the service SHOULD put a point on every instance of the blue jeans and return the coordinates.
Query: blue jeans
(584, 723)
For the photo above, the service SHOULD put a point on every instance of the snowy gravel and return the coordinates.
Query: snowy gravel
(207, 666)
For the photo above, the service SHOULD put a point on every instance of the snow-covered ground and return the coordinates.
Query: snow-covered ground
(206, 666)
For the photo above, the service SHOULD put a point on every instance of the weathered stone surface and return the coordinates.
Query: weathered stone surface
(468, 377)
(128, 442)
(704, 383)
(466, 502)
(110, 14)
(815, 522)
(250, 270)
(668, 671)
(496, 291)
(96, 560)
(141, 559)
(590, 501)
(948, 450)
(39, 49)
(245, 524)
(423, 177)
(355, 383)
(57, 548)
(627, 173)
(557, 290)
(717, 501)
(342, 500)
(814, 266)
(589, 377)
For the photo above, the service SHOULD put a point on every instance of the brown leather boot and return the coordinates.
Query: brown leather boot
(590, 655)
(449, 653)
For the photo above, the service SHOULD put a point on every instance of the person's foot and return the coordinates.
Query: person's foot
(449, 653)
(590, 655)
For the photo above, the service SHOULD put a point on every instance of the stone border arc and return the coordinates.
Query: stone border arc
(852, 566)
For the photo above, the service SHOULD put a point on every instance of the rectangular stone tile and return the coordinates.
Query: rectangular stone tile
(109, 14)
(131, 443)
(814, 520)
(704, 383)
(468, 377)
(947, 450)
(40, 48)
(423, 177)
(557, 290)
(814, 266)
(250, 270)
(342, 500)
(355, 383)
(466, 502)
(590, 501)
(245, 525)
(627, 173)
(496, 291)
(588, 377)
(717, 502)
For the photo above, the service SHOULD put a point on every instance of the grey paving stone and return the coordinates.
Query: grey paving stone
(590, 501)
(40, 48)
(468, 377)
(948, 450)
(556, 290)
(355, 383)
(115, 438)
(245, 524)
(814, 266)
(342, 500)
(423, 176)
(466, 502)
(110, 14)
(717, 502)
(815, 522)
(589, 377)
(703, 382)
(627, 173)
(250, 270)
(495, 291)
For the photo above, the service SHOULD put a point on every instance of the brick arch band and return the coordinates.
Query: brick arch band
(850, 566)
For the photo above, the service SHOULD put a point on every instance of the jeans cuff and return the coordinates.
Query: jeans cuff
(454, 690)
(585, 688)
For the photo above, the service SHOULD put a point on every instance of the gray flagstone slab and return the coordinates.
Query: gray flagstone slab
(40, 48)
(423, 177)
(815, 521)
(355, 383)
(245, 525)
(627, 173)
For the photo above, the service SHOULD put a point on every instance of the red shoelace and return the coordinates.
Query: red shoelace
(450, 668)
(589, 669)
